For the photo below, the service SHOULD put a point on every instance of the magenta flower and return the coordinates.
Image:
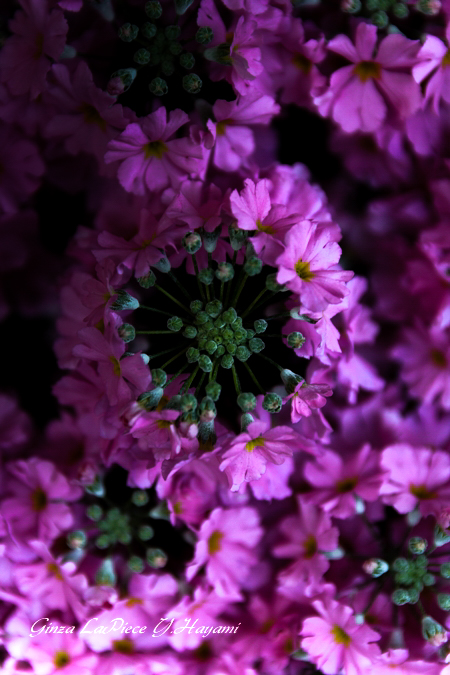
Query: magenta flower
(249, 452)
(38, 39)
(334, 640)
(416, 477)
(337, 481)
(307, 266)
(434, 68)
(398, 660)
(305, 398)
(361, 95)
(226, 544)
(150, 158)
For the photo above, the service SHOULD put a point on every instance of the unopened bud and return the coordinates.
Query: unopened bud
(158, 86)
(272, 403)
(150, 399)
(175, 323)
(375, 567)
(213, 390)
(192, 83)
(106, 575)
(77, 539)
(139, 497)
(124, 301)
(224, 271)
(192, 242)
(128, 32)
(120, 81)
(204, 35)
(246, 401)
(417, 545)
(433, 632)
(156, 558)
(126, 332)
(206, 276)
(253, 266)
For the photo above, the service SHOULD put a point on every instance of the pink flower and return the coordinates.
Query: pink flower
(226, 544)
(308, 534)
(306, 265)
(360, 96)
(150, 158)
(338, 481)
(198, 205)
(38, 39)
(425, 355)
(38, 503)
(86, 117)
(232, 138)
(417, 477)
(248, 453)
(305, 398)
(434, 65)
(398, 660)
(123, 378)
(334, 641)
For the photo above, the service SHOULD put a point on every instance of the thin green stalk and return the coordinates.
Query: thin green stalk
(173, 358)
(274, 363)
(249, 308)
(179, 284)
(237, 385)
(200, 286)
(177, 302)
(250, 372)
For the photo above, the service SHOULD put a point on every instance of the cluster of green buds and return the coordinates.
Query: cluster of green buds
(384, 14)
(214, 334)
(117, 529)
(411, 576)
(162, 49)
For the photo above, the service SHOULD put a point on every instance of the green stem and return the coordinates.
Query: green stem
(222, 286)
(200, 286)
(266, 299)
(249, 308)
(274, 363)
(237, 386)
(153, 309)
(180, 285)
(250, 372)
(189, 381)
(177, 302)
(197, 389)
(239, 291)
(155, 332)
(176, 375)
(278, 316)
(174, 357)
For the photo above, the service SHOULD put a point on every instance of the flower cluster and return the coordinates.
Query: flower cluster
(226, 447)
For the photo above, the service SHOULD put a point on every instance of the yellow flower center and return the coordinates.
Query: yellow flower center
(347, 484)
(155, 149)
(221, 126)
(302, 270)
(54, 571)
(367, 70)
(340, 636)
(116, 366)
(438, 358)
(302, 63)
(163, 424)
(124, 646)
(422, 492)
(264, 228)
(214, 542)
(132, 602)
(255, 443)
(446, 60)
(310, 546)
(92, 116)
(61, 659)
(39, 499)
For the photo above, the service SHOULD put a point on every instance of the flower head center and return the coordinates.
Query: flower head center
(422, 492)
(264, 228)
(54, 571)
(346, 484)
(340, 636)
(214, 542)
(438, 358)
(116, 366)
(367, 70)
(310, 546)
(124, 646)
(155, 149)
(303, 270)
(255, 443)
(61, 659)
(301, 62)
(39, 499)
(446, 60)
(39, 46)
(221, 127)
(92, 116)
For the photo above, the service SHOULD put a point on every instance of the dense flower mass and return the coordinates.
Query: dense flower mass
(224, 284)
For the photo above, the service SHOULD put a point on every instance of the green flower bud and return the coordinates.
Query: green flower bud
(106, 575)
(94, 512)
(175, 48)
(206, 276)
(272, 283)
(213, 390)
(153, 9)
(246, 419)
(444, 601)
(246, 401)
(429, 579)
(77, 539)
(160, 511)
(256, 345)
(156, 558)
(188, 403)
(211, 346)
(400, 565)
(190, 332)
(417, 545)
(380, 19)
(126, 332)
(375, 567)
(400, 596)
(253, 266)
(148, 30)
(210, 239)
(145, 532)
(351, 6)
(175, 323)
(142, 56)
(192, 242)
(260, 325)
(414, 595)
(231, 348)
(201, 318)
(272, 403)
(205, 363)
(295, 340)
(121, 81)
(139, 498)
(204, 35)
(125, 537)
(220, 54)
(150, 399)
(229, 315)
(290, 380)
(124, 301)
(148, 281)
(227, 334)
(237, 237)
(158, 86)
(196, 306)
(102, 541)
(181, 6)
(172, 32)
(433, 632)
(224, 271)
(96, 488)
(400, 10)
(167, 67)
(445, 570)
(128, 32)
(214, 308)
(242, 353)
(163, 265)
(192, 355)
(220, 351)
(159, 377)
(227, 361)
(192, 83)
(136, 564)
(372, 5)
(441, 536)
(250, 334)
